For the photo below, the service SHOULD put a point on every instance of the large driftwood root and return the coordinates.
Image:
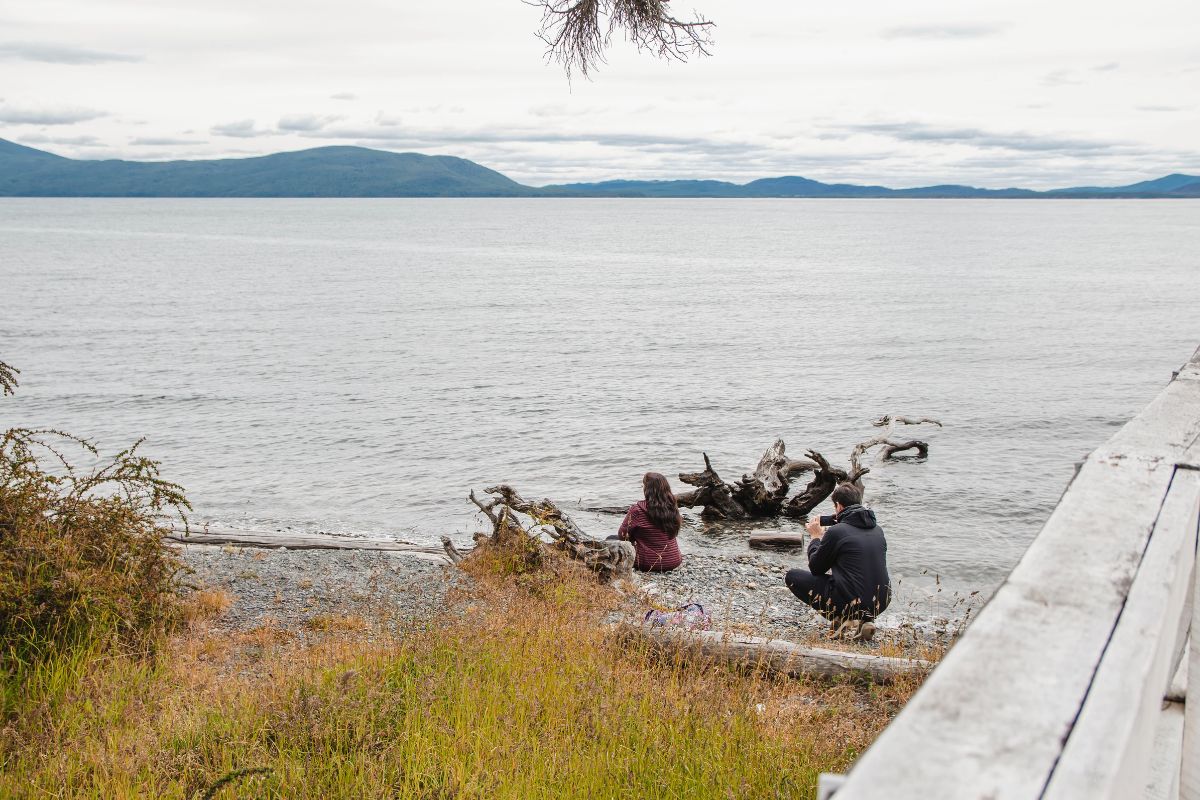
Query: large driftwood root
(609, 559)
(757, 495)
(764, 493)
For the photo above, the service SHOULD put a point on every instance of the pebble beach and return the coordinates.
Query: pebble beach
(297, 589)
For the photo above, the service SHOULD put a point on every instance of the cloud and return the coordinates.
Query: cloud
(241, 129)
(161, 141)
(76, 141)
(943, 31)
(1159, 108)
(396, 135)
(14, 115)
(60, 54)
(1019, 141)
(343, 96)
(562, 110)
(306, 122)
(1060, 77)
(1109, 67)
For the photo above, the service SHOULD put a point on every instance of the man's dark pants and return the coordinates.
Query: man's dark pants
(818, 592)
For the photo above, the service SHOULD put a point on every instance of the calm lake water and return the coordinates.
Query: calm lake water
(357, 366)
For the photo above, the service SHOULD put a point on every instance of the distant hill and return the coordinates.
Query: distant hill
(1165, 186)
(362, 172)
(790, 186)
(15, 153)
(320, 172)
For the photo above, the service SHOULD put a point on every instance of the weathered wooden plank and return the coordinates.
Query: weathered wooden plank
(1189, 779)
(1110, 747)
(1191, 369)
(1166, 754)
(991, 719)
(1177, 688)
(777, 656)
(828, 784)
(1169, 427)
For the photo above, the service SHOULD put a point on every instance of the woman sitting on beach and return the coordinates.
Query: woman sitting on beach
(652, 525)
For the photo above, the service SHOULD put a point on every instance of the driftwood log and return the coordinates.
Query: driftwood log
(764, 492)
(610, 559)
(293, 541)
(776, 656)
(777, 540)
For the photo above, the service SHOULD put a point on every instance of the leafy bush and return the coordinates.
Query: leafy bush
(81, 553)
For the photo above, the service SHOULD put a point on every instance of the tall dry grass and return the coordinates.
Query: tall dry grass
(516, 692)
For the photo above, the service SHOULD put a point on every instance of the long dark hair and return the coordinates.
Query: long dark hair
(661, 507)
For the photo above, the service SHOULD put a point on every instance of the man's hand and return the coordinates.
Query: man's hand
(814, 528)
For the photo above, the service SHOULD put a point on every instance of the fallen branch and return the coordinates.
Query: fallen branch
(890, 422)
(888, 447)
(452, 552)
(610, 559)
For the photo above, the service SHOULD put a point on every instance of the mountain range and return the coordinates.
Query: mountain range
(341, 171)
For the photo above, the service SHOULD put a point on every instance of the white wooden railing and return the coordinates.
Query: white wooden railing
(1072, 681)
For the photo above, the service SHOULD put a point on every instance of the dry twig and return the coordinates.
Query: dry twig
(577, 32)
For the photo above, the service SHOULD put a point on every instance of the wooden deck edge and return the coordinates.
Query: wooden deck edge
(992, 717)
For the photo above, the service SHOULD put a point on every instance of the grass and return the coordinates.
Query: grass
(517, 693)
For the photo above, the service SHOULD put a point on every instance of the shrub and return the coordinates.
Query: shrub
(81, 553)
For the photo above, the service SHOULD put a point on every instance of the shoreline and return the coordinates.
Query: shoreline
(301, 590)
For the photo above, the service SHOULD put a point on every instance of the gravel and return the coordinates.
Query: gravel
(291, 588)
(740, 590)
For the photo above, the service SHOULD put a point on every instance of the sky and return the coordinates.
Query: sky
(1032, 93)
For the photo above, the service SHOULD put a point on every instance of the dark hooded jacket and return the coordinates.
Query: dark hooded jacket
(854, 552)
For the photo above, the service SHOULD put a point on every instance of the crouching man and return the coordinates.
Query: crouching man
(848, 582)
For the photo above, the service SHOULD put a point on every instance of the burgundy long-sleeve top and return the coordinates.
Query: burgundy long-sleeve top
(655, 550)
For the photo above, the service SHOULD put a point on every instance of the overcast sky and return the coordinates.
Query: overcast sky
(1036, 93)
